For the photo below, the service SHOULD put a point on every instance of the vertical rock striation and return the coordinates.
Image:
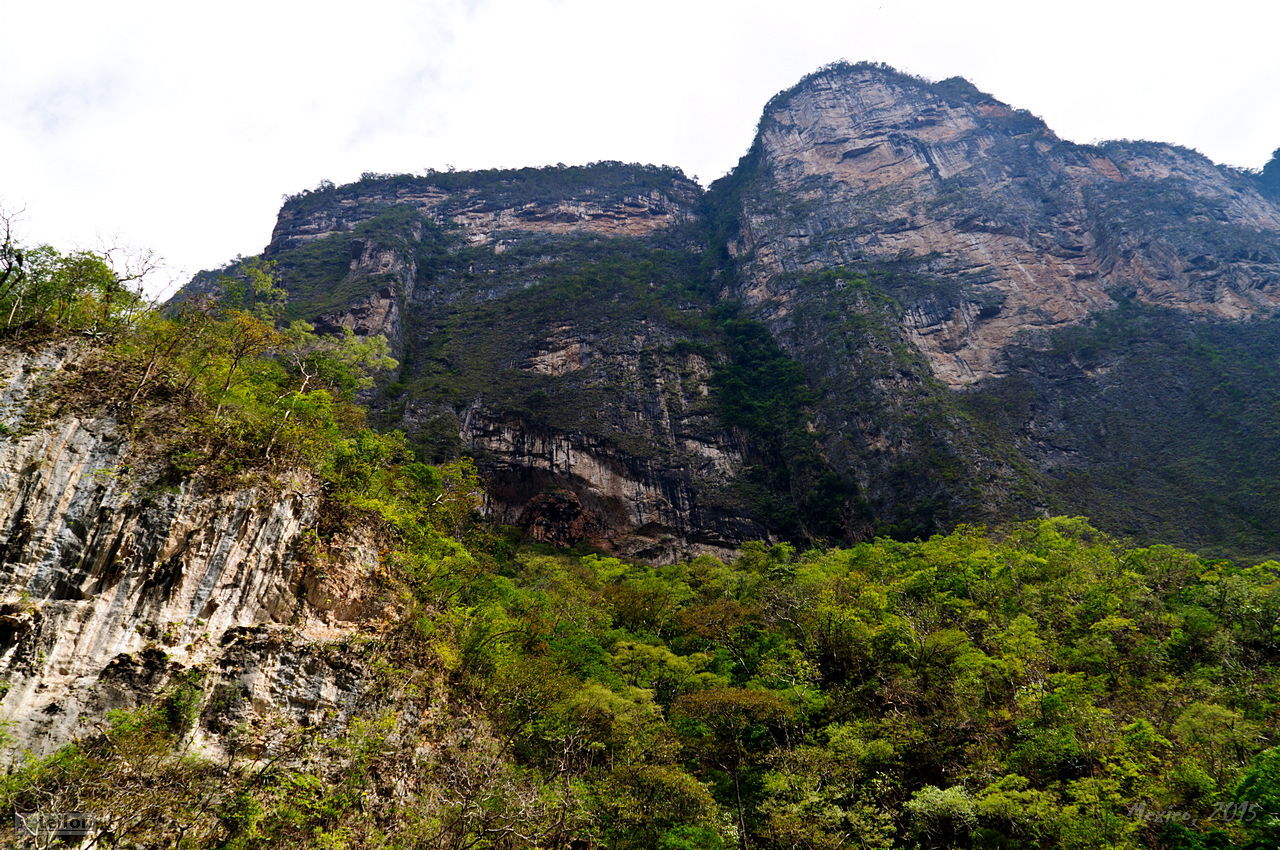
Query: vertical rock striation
(919, 249)
(109, 585)
(1020, 229)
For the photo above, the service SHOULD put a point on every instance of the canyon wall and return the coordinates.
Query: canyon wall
(112, 584)
(927, 257)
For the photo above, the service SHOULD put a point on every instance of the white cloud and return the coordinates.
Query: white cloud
(180, 126)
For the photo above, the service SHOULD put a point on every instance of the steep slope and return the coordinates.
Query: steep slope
(983, 239)
(1158, 424)
(872, 325)
(114, 583)
(550, 322)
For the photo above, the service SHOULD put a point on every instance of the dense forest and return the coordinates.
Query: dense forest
(1035, 685)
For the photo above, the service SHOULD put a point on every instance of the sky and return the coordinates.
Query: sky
(178, 127)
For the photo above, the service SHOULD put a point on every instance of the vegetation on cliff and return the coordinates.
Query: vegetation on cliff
(1036, 686)
(506, 186)
(1197, 400)
(1269, 177)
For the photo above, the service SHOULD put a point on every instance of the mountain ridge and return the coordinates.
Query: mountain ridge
(901, 241)
(234, 612)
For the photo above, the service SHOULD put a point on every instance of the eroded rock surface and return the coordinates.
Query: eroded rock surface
(109, 585)
(1026, 231)
(902, 241)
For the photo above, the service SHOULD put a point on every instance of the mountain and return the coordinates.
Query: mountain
(1101, 316)
(550, 322)
(249, 597)
(909, 305)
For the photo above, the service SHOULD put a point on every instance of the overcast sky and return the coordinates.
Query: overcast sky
(178, 126)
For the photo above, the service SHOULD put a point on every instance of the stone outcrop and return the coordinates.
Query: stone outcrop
(109, 585)
(1026, 231)
(903, 241)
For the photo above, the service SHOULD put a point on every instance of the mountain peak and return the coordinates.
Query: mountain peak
(883, 166)
(854, 98)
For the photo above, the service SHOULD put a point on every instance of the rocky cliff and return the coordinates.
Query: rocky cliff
(913, 254)
(549, 323)
(112, 584)
(1021, 230)
(985, 240)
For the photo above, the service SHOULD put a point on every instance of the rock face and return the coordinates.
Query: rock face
(924, 262)
(634, 213)
(1023, 230)
(569, 487)
(543, 320)
(910, 305)
(108, 587)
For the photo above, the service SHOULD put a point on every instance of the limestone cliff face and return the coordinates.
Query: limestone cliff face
(1022, 230)
(485, 211)
(915, 249)
(498, 294)
(616, 442)
(573, 486)
(110, 586)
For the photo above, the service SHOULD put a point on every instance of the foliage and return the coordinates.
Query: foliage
(43, 289)
(1040, 686)
(1045, 687)
(764, 392)
(217, 388)
(507, 186)
(1269, 177)
(1199, 398)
